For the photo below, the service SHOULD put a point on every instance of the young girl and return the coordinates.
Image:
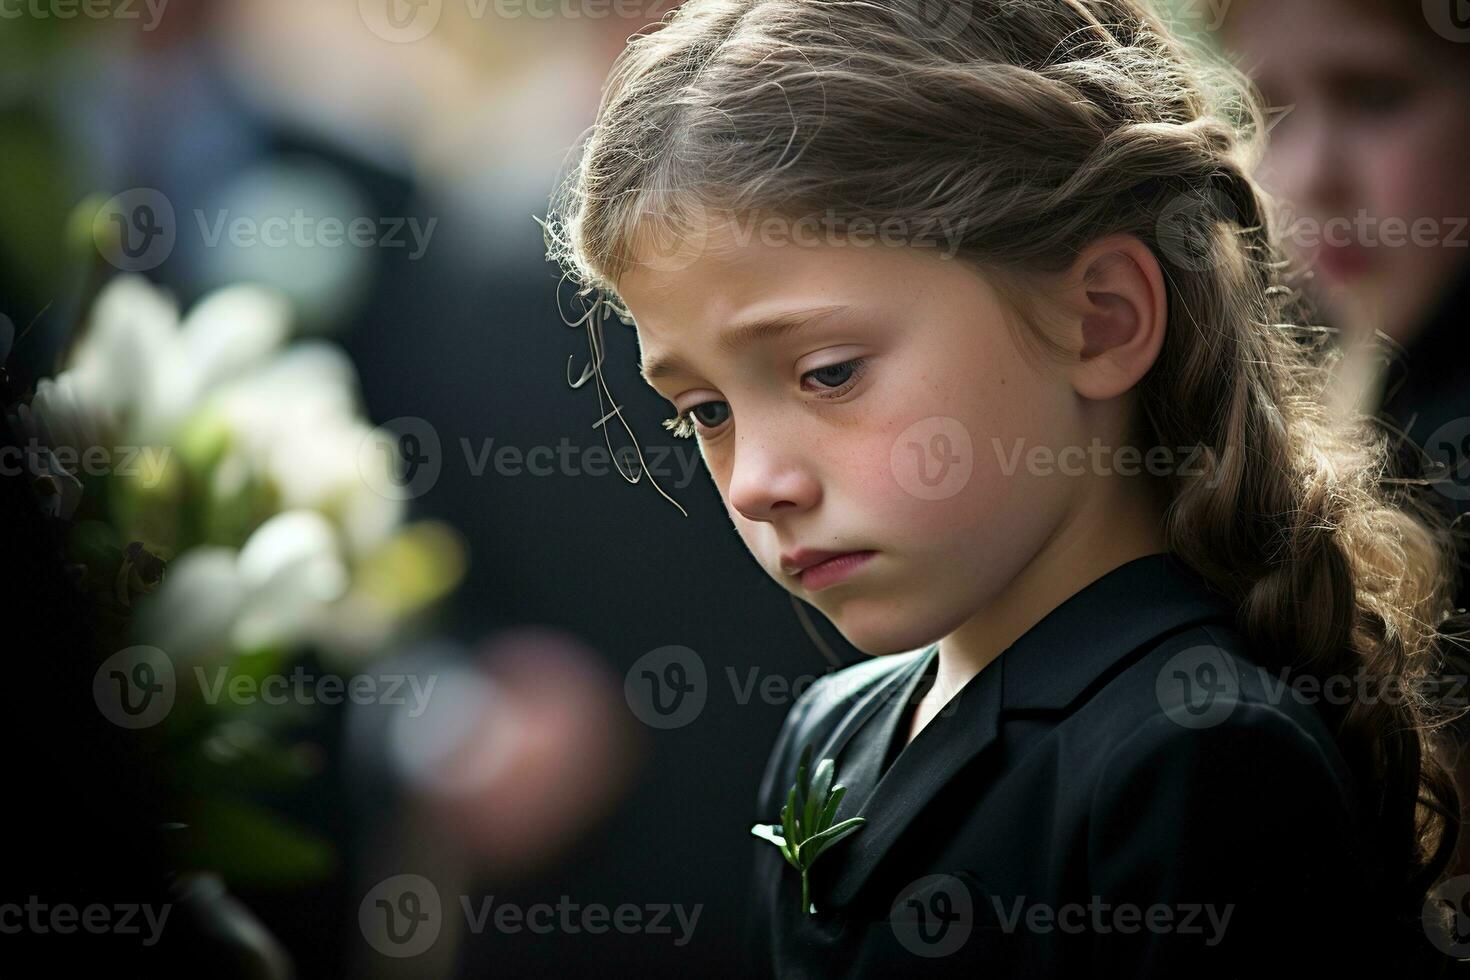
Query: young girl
(980, 324)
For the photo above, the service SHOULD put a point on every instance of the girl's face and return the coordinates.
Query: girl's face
(1376, 123)
(897, 418)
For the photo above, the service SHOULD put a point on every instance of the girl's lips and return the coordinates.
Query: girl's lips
(833, 570)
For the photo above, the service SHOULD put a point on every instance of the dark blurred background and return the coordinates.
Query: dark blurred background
(258, 109)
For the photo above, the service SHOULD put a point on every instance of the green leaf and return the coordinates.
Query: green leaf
(829, 812)
(802, 782)
(805, 759)
(817, 798)
(813, 846)
(790, 822)
(806, 831)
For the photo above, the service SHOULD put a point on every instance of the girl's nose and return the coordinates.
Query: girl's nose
(770, 480)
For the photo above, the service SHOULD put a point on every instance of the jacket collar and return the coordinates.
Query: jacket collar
(1048, 668)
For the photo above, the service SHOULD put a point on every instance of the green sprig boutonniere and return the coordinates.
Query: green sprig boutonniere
(806, 829)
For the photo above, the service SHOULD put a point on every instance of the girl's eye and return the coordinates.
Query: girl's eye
(837, 375)
(840, 377)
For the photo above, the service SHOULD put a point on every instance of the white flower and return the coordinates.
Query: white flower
(276, 590)
(59, 416)
(119, 363)
(137, 372)
(297, 418)
(267, 425)
(291, 570)
(193, 611)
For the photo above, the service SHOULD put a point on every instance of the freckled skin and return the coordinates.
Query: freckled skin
(1350, 146)
(796, 471)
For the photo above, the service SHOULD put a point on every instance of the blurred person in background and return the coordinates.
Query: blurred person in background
(1367, 157)
(261, 108)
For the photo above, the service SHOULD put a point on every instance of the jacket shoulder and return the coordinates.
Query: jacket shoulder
(1203, 698)
(1209, 676)
(817, 713)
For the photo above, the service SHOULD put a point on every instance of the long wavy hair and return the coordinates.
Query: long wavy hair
(1037, 127)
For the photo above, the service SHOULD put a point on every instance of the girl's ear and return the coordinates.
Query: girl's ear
(1118, 311)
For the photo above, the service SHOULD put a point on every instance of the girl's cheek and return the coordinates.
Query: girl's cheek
(937, 478)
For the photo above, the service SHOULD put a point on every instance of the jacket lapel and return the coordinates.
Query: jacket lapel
(861, 747)
(1072, 649)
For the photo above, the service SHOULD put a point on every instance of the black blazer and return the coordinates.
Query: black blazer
(1120, 793)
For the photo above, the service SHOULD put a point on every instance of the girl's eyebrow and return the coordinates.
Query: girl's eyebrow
(737, 338)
